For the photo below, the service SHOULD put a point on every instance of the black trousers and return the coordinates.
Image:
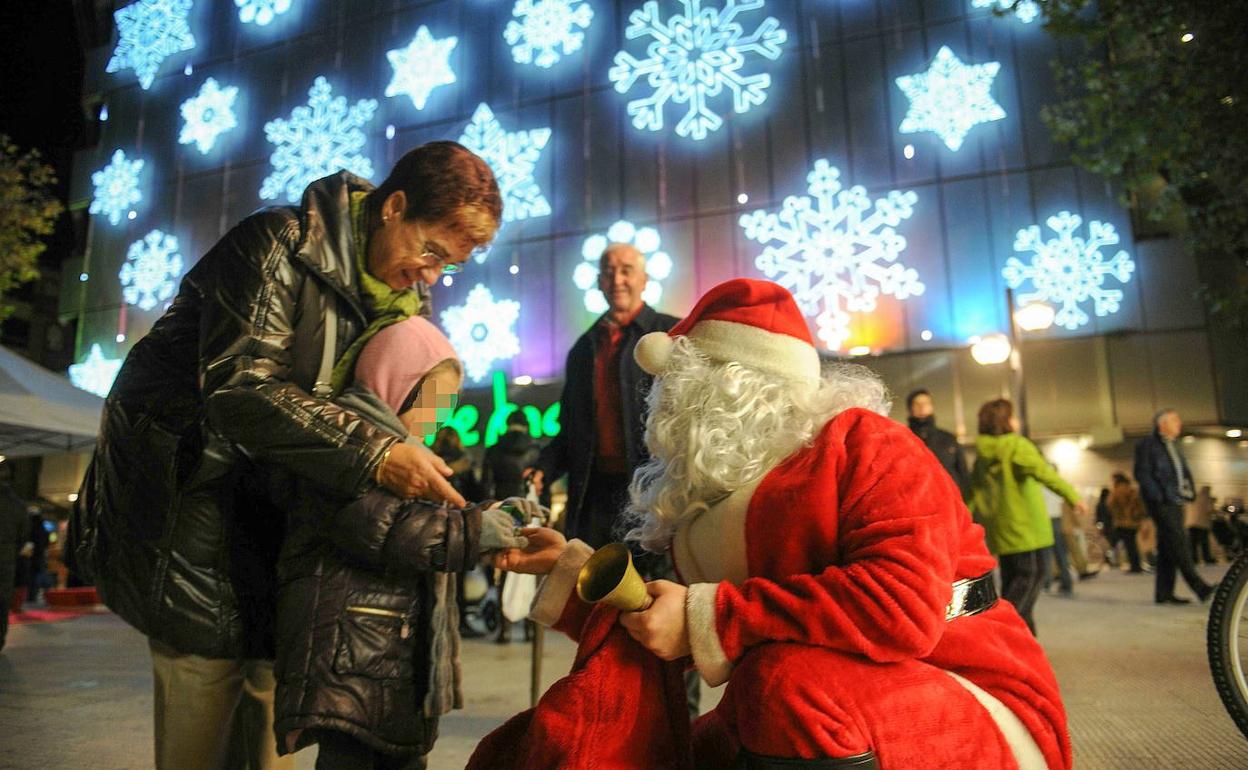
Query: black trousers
(6, 598)
(1022, 577)
(1127, 536)
(1199, 537)
(339, 751)
(1173, 553)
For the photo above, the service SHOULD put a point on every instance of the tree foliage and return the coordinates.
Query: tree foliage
(28, 212)
(1158, 104)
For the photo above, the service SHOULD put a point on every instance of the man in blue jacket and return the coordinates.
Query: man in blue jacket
(1166, 485)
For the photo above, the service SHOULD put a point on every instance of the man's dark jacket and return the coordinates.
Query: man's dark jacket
(14, 528)
(572, 451)
(505, 463)
(946, 448)
(167, 524)
(1156, 474)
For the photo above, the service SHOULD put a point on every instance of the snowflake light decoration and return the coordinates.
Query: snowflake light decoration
(1025, 11)
(96, 374)
(646, 239)
(542, 29)
(116, 187)
(513, 155)
(207, 115)
(151, 271)
(261, 12)
(950, 98)
(148, 31)
(320, 138)
(1069, 269)
(421, 67)
(482, 331)
(835, 250)
(695, 56)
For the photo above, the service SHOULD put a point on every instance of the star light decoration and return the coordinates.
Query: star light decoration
(261, 12)
(116, 187)
(320, 138)
(150, 273)
(513, 156)
(1069, 269)
(96, 374)
(421, 67)
(207, 115)
(835, 250)
(692, 58)
(646, 239)
(1025, 11)
(482, 331)
(148, 31)
(950, 98)
(544, 31)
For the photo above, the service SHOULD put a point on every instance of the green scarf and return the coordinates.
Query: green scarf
(385, 306)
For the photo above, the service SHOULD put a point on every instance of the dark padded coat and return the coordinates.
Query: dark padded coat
(946, 448)
(1155, 472)
(572, 451)
(169, 524)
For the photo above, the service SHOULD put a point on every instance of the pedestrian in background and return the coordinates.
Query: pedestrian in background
(1060, 568)
(1127, 512)
(13, 543)
(1006, 480)
(921, 409)
(1166, 486)
(1199, 520)
(502, 476)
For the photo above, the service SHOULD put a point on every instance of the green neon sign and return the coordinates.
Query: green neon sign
(466, 419)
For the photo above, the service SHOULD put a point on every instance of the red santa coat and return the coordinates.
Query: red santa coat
(829, 623)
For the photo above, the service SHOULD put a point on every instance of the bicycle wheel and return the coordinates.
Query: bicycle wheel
(1228, 642)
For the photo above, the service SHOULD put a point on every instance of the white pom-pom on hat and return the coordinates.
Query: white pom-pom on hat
(653, 351)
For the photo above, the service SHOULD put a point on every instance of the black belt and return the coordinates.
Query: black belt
(972, 596)
(864, 761)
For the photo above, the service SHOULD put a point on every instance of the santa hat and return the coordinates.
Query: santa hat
(399, 356)
(746, 321)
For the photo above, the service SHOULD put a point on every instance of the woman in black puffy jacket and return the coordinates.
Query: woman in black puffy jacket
(367, 626)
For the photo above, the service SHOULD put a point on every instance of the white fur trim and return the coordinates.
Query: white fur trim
(555, 591)
(708, 655)
(1026, 752)
(652, 351)
(710, 547)
(757, 348)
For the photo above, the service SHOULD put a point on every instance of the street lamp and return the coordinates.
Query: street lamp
(998, 348)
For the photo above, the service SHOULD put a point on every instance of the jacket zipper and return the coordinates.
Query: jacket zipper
(404, 631)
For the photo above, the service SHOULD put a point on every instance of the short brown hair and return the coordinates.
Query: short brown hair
(445, 181)
(994, 417)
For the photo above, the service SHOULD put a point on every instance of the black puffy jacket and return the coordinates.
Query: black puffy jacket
(169, 523)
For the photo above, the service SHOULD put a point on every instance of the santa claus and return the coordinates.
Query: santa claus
(832, 578)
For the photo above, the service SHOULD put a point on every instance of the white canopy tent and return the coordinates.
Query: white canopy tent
(41, 412)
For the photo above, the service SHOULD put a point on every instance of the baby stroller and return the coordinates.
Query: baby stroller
(479, 608)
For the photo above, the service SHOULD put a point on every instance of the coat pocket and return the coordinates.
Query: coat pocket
(375, 642)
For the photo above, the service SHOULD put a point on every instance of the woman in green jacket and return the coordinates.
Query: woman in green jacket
(1005, 497)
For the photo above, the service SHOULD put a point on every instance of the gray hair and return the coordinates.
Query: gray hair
(1161, 415)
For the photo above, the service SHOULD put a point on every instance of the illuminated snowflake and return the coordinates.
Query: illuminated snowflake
(147, 32)
(208, 114)
(950, 98)
(1068, 269)
(482, 331)
(543, 27)
(1025, 11)
(513, 155)
(421, 67)
(260, 12)
(646, 239)
(116, 187)
(835, 250)
(695, 56)
(320, 138)
(151, 271)
(96, 374)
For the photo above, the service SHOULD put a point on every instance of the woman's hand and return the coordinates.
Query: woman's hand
(662, 627)
(412, 470)
(544, 549)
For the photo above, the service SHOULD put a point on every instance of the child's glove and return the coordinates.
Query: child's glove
(498, 532)
(526, 511)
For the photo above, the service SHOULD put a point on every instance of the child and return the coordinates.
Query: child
(367, 626)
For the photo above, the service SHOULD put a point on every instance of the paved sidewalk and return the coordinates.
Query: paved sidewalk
(77, 694)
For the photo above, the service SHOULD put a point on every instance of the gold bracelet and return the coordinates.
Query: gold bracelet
(385, 456)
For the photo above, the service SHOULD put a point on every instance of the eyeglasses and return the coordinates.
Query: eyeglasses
(434, 252)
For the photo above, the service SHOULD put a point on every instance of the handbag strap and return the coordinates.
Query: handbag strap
(323, 387)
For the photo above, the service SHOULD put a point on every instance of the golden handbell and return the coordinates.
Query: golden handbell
(609, 576)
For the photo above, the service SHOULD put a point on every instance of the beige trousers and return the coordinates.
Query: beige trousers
(214, 714)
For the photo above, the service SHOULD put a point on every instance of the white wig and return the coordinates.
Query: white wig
(714, 427)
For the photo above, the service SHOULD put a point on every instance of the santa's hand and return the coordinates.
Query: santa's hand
(661, 628)
(544, 548)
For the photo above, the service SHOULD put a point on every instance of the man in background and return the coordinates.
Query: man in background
(13, 542)
(944, 445)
